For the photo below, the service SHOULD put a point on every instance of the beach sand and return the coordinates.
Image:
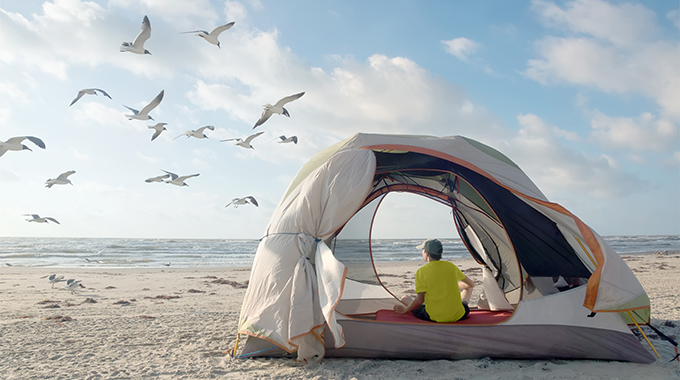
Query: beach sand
(178, 323)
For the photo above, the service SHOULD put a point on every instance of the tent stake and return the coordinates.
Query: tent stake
(643, 334)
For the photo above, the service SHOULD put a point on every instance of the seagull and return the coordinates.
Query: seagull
(179, 181)
(62, 179)
(15, 144)
(245, 143)
(276, 108)
(72, 285)
(160, 178)
(137, 46)
(284, 140)
(88, 91)
(144, 113)
(160, 127)
(54, 279)
(92, 261)
(38, 219)
(212, 36)
(241, 201)
(198, 133)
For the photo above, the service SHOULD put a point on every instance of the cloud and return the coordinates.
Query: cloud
(613, 51)
(644, 133)
(562, 172)
(461, 48)
(674, 16)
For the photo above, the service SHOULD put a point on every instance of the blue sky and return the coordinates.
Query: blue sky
(583, 95)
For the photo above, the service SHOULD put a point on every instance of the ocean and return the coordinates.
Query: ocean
(202, 253)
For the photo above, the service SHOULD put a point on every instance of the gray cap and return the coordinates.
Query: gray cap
(432, 246)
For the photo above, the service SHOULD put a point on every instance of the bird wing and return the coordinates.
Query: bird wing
(156, 134)
(80, 95)
(229, 140)
(35, 216)
(65, 174)
(185, 177)
(52, 219)
(154, 103)
(36, 141)
(251, 137)
(144, 34)
(172, 175)
(216, 32)
(134, 111)
(294, 138)
(195, 31)
(289, 99)
(15, 140)
(200, 130)
(103, 92)
(266, 114)
(252, 200)
(187, 133)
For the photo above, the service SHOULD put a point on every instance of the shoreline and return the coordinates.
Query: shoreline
(178, 323)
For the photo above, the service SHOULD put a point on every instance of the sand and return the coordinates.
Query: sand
(178, 323)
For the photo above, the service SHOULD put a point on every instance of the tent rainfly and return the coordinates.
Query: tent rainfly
(556, 289)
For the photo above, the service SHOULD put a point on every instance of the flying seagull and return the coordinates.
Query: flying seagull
(160, 127)
(241, 201)
(284, 140)
(212, 36)
(179, 181)
(88, 91)
(62, 179)
(54, 279)
(137, 46)
(160, 178)
(276, 108)
(144, 113)
(38, 219)
(198, 133)
(15, 144)
(245, 143)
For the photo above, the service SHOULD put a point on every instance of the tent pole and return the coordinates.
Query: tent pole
(643, 334)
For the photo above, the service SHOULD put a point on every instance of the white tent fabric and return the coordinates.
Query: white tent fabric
(290, 302)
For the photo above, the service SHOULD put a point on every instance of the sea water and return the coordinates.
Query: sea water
(202, 253)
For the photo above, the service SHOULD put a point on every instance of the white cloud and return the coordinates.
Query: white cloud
(644, 133)
(461, 48)
(562, 172)
(674, 16)
(614, 51)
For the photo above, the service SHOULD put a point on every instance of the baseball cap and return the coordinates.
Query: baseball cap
(432, 246)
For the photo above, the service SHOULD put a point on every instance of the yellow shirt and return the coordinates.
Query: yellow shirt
(439, 281)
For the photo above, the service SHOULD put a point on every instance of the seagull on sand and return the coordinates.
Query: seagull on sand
(54, 279)
(198, 133)
(284, 140)
(137, 46)
(276, 108)
(160, 178)
(245, 143)
(88, 91)
(72, 285)
(15, 144)
(212, 36)
(179, 181)
(38, 219)
(241, 201)
(160, 127)
(62, 179)
(144, 113)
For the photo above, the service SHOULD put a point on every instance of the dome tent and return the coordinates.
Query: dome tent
(570, 294)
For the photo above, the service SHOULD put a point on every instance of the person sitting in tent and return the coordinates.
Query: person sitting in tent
(443, 290)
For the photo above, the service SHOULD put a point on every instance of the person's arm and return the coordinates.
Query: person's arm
(466, 286)
(403, 309)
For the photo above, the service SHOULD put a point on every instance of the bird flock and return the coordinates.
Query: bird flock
(137, 47)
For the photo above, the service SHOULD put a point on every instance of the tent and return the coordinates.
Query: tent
(555, 288)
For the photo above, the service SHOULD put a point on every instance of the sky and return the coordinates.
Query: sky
(583, 95)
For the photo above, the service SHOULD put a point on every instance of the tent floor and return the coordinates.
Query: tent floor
(476, 317)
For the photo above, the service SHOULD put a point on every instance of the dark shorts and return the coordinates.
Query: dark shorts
(420, 312)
